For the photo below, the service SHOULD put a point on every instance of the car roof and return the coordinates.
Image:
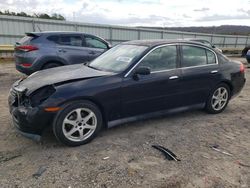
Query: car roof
(56, 32)
(48, 33)
(157, 42)
(197, 39)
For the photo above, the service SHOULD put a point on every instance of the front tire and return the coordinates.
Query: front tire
(218, 99)
(78, 123)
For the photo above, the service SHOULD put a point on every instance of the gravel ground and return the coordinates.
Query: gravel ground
(123, 156)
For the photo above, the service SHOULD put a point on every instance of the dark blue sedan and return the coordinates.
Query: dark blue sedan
(132, 81)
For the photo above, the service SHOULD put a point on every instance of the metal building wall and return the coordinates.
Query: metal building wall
(12, 28)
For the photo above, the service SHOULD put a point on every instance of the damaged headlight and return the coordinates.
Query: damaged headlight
(40, 95)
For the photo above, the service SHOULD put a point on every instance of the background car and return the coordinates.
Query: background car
(132, 81)
(43, 50)
(206, 42)
(244, 51)
(248, 56)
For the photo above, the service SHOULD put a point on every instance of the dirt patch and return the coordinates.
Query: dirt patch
(123, 156)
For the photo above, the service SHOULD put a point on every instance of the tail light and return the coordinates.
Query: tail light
(242, 68)
(26, 48)
(26, 64)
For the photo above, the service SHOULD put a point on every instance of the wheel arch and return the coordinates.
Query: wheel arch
(230, 85)
(52, 61)
(94, 101)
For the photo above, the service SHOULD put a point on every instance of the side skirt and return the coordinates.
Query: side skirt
(154, 114)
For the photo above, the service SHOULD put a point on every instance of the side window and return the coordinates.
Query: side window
(71, 40)
(54, 38)
(222, 58)
(162, 58)
(210, 57)
(193, 56)
(94, 43)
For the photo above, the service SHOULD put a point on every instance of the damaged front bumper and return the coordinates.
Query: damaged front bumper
(30, 122)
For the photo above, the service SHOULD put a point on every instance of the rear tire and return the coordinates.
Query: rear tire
(51, 65)
(218, 99)
(78, 123)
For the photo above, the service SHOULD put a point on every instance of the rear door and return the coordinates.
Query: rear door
(70, 48)
(200, 72)
(154, 92)
(94, 46)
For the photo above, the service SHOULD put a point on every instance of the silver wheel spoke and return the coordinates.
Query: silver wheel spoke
(73, 130)
(215, 103)
(87, 118)
(78, 129)
(219, 91)
(71, 122)
(223, 93)
(87, 126)
(81, 134)
(78, 114)
(215, 97)
(220, 104)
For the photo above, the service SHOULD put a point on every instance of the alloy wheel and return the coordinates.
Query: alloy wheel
(219, 98)
(79, 124)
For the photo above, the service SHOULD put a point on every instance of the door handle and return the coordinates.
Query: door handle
(214, 71)
(173, 77)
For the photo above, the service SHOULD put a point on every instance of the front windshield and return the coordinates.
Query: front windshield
(118, 58)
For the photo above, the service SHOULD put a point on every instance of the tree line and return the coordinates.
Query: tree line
(53, 16)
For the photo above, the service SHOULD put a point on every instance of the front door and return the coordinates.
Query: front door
(71, 49)
(154, 92)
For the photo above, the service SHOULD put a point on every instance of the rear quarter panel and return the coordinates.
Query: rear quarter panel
(231, 74)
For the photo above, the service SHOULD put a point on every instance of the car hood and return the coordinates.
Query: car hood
(56, 76)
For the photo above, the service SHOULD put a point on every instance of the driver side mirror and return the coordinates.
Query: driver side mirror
(141, 71)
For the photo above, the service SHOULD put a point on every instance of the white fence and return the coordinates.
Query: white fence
(12, 28)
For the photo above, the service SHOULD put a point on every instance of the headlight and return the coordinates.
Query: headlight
(40, 95)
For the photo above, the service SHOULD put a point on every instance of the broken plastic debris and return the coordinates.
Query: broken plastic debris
(39, 172)
(215, 147)
(168, 154)
(105, 158)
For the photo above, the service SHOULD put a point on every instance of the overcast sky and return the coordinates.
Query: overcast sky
(163, 13)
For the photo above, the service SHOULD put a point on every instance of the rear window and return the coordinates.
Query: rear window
(222, 58)
(193, 56)
(68, 40)
(54, 38)
(197, 56)
(71, 40)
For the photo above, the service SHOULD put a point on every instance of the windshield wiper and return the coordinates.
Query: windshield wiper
(92, 67)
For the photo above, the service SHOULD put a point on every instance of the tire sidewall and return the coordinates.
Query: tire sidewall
(209, 107)
(58, 122)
